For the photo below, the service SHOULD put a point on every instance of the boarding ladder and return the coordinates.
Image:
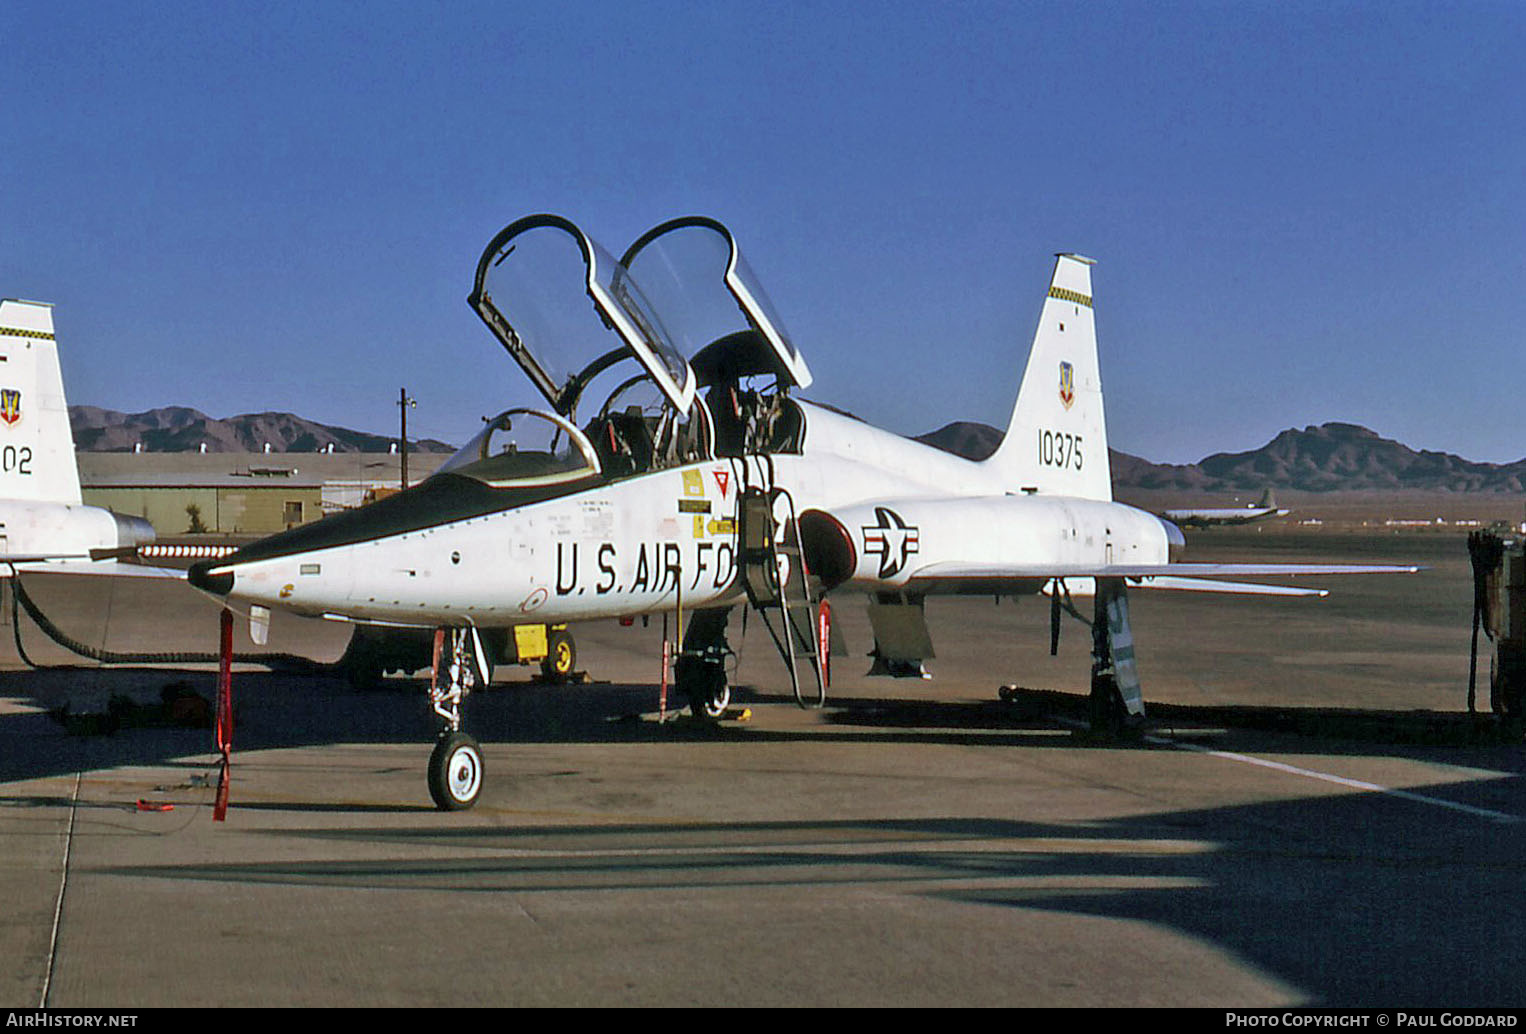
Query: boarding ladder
(774, 575)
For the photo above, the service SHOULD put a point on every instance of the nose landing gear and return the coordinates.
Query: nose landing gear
(455, 765)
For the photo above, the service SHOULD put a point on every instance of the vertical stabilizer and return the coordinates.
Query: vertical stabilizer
(1056, 443)
(36, 446)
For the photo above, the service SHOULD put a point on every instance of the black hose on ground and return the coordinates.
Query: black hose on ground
(284, 661)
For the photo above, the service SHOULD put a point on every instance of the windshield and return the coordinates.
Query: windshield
(524, 447)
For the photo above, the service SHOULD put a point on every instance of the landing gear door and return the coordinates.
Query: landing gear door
(682, 264)
(532, 290)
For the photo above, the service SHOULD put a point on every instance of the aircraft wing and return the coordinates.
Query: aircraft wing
(1214, 585)
(1185, 577)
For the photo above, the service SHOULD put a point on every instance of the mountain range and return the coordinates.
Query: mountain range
(1329, 457)
(1326, 458)
(179, 429)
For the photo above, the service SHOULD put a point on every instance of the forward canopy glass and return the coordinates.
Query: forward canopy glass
(533, 287)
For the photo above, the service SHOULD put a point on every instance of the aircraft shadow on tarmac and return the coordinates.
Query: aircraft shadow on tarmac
(1347, 910)
(1372, 728)
(1336, 895)
(275, 709)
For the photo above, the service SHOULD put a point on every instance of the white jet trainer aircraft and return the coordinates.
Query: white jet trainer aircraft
(660, 479)
(42, 517)
(1207, 518)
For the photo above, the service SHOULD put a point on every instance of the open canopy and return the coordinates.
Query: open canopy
(693, 274)
(532, 289)
(682, 303)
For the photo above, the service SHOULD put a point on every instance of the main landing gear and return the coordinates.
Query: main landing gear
(561, 661)
(1117, 702)
(700, 672)
(1115, 707)
(456, 771)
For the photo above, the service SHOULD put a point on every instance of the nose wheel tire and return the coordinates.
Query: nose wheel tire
(455, 772)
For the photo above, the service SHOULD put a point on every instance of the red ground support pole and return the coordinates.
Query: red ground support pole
(824, 642)
(662, 697)
(224, 723)
(434, 662)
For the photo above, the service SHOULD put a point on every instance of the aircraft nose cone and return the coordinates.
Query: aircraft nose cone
(201, 577)
(1176, 542)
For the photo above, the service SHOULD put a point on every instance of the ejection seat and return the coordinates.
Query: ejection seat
(623, 442)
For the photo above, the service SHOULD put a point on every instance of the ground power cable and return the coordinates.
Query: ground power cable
(20, 596)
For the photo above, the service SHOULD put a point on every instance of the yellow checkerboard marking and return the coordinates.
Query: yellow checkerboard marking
(1071, 296)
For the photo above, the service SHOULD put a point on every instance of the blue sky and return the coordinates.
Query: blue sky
(1301, 212)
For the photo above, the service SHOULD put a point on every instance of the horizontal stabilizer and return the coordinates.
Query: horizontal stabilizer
(112, 568)
(41, 558)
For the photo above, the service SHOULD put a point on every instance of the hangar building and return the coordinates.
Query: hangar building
(240, 493)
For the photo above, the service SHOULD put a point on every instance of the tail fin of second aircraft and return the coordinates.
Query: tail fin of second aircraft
(36, 446)
(1056, 443)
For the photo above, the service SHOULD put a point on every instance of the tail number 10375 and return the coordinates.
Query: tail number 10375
(1058, 449)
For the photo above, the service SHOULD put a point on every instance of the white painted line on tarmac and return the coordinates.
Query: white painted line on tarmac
(63, 883)
(1355, 784)
(1327, 777)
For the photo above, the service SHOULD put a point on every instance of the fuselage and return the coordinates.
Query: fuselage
(38, 530)
(444, 554)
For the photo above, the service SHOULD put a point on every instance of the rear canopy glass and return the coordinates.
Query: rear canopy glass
(694, 275)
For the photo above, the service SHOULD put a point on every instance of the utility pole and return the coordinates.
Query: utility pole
(404, 403)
